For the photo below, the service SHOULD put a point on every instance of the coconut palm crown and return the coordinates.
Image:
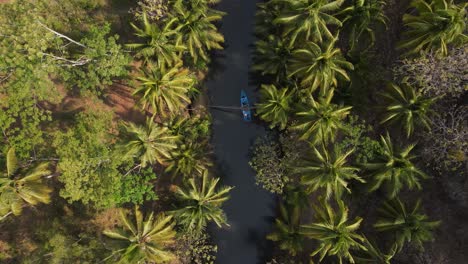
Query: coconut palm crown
(164, 90)
(319, 66)
(305, 20)
(335, 232)
(287, 229)
(406, 225)
(196, 31)
(360, 18)
(275, 105)
(19, 188)
(322, 121)
(406, 107)
(157, 45)
(437, 24)
(327, 170)
(201, 203)
(150, 143)
(143, 240)
(395, 168)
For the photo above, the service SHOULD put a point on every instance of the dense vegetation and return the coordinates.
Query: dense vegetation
(367, 102)
(101, 159)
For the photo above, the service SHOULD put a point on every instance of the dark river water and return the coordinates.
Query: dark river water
(250, 209)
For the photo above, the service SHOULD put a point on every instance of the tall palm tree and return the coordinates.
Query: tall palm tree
(360, 18)
(143, 240)
(275, 105)
(189, 159)
(406, 107)
(267, 12)
(164, 90)
(329, 171)
(395, 167)
(308, 19)
(271, 57)
(318, 66)
(157, 44)
(323, 121)
(407, 226)
(196, 31)
(287, 229)
(438, 23)
(335, 233)
(18, 188)
(373, 254)
(150, 143)
(201, 203)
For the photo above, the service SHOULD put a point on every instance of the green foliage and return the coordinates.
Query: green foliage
(326, 169)
(270, 171)
(406, 107)
(335, 233)
(322, 122)
(319, 66)
(308, 19)
(438, 23)
(200, 250)
(395, 168)
(406, 225)
(201, 203)
(87, 163)
(193, 129)
(275, 105)
(143, 240)
(20, 187)
(137, 188)
(104, 61)
(358, 138)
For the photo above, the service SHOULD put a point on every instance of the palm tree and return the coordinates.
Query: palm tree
(188, 159)
(150, 143)
(319, 65)
(287, 229)
(407, 226)
(438, 24)
(373, 254)
(275, 105)
(201, 203)
(334, 231)
(323, 121)
(329, 171)
(196, 31)
(360, 18)
(395, 167)
(308, 19)
(157, 43)
(164, 90)
(406, 107)
(144, 240)
(271, 57)
(267, 12)
(18, 189)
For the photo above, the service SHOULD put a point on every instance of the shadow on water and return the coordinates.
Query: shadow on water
(250, 209)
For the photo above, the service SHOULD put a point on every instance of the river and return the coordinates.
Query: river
(250, 209)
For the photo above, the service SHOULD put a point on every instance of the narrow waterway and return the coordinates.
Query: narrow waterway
(250, 208)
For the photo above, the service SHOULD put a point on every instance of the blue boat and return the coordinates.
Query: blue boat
(245, 107)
